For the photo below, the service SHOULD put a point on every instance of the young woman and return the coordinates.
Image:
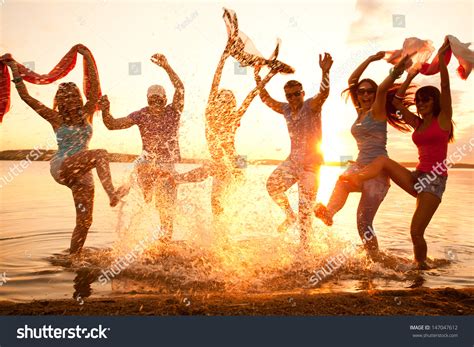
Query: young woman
(433, 129)
(71, 165)
(222, 121)
(374, 109)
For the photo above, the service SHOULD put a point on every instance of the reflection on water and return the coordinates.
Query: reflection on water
(240, 253)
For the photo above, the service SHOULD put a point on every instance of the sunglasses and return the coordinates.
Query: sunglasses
(362, 91)
(422, 100)
(289, 95)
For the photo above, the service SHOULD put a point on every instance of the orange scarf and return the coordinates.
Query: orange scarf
(65, 65)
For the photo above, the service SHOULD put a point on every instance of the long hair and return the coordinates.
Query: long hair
(64, 89)
(435, 94)
(390, 110)
(392, 116)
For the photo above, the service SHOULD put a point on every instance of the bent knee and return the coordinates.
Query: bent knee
(101, 153)
(274, 186)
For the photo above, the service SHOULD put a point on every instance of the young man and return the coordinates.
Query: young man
(158, 124)
(303, 118)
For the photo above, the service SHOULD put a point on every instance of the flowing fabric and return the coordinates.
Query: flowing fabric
(420, 51)
(463, 54)
(65, 65)
(423, 49)
(244, 50)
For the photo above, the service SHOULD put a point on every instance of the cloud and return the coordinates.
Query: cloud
(373, 16)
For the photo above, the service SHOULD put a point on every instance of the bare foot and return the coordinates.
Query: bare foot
(288, 222)
(321, 212)
(375, 255)
(119, 194)
(421, 265)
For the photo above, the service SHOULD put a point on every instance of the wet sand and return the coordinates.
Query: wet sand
(432, 302)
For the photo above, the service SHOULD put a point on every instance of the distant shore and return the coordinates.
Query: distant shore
(423, 302)
(45, 155)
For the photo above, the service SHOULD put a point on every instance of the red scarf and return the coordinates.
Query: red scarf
(433, 67)
(65, 65)
(422, 49)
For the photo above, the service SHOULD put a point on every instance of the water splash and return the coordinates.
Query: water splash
(240, 251)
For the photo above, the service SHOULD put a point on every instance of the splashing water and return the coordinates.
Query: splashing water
(238, 251)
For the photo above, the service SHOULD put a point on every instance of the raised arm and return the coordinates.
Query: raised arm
(218, 74)
(446, 113)
(110, 122)
(50, 115)
(378, 107)
(325, 65)
(408, 117)
(275, 105)
(354, 78)
(178, 98)
(260, 86)
(93, 92)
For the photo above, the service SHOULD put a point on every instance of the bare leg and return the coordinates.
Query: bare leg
(195, 175)
(83, 195)
(278, 183)
(220, 184)
(399, 174)
(307, 190)
(165, 199)
(426, 206)
(146, 180)
(82, 162)
(426, 203)
(339, 196)
(336, 202)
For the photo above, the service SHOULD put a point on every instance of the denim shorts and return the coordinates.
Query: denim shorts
(376, 188)
(429, 182)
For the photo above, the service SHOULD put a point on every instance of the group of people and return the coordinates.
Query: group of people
(158, 122)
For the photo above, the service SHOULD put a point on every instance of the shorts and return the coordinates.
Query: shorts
(429, 182)
(376, 187)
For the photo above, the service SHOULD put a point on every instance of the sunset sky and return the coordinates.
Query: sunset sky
(192, 35)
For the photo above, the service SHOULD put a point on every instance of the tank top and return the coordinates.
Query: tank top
(371, 138)
(432, 146)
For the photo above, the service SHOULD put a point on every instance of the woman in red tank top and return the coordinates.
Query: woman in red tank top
(433, 129)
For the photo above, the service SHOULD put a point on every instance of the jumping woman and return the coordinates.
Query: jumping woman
(71, 165)
(374, 110)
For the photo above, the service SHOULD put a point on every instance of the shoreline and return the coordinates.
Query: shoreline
(421, 301)
(45, 155)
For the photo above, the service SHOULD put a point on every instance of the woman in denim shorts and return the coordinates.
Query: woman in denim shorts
(433, 129)
(370, 132)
